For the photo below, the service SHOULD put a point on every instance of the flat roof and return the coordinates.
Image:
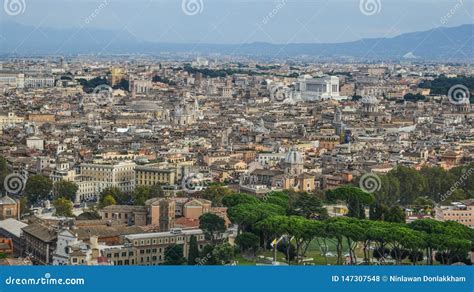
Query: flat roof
(12, 226)
(163, 234)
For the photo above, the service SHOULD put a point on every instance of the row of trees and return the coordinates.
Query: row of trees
(138, 197)
(260, 222)
(301, 218)
(89, 85)
(405, 185)
(442, 84)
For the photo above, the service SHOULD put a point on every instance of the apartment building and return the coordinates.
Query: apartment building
(9, 118)
(461, 212)
(116, 174)
(39, 242)
(149, 248)
(11, 79)
(150, 175)
(160, 212)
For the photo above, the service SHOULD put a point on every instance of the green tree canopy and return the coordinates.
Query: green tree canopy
(38, 188)
(309, 206)
(246, 215)
(212, 226)
(174, 255)
(120, 197)
(216, 193)
(224, 253)
(108, 200)
(65, 189)
(355, 199)
(238, 198)
(247, 241)
(63, 207)
(193, 250)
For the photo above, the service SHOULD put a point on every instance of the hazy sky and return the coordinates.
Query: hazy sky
(238, 21)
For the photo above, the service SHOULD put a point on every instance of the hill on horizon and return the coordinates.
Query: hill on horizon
(442, 43)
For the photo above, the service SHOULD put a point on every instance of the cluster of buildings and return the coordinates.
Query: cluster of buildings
(253, 127)
(124, 235)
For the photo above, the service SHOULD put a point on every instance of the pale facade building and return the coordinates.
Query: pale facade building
(318, 88)
(119, 174)
(9, 118)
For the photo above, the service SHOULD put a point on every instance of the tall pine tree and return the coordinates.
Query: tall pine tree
(193, 250)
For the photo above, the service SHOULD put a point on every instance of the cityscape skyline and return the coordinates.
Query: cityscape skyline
(290, 133)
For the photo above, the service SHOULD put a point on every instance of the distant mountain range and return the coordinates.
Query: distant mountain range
(448, 44)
